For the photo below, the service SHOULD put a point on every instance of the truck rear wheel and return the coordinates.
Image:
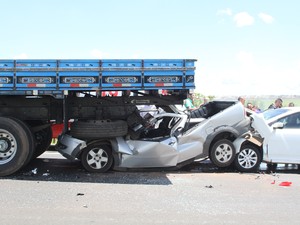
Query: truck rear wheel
(97, 157)
(94, 129)
(30, 138)
(14, 146)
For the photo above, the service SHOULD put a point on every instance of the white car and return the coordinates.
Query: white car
(275, 140)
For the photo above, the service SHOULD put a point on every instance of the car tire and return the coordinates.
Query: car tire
(97, 157)
(94, 129)
(15, 146)
(222, 153)
(248, 159)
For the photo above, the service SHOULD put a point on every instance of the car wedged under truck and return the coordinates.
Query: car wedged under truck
(107, 132)
(166, 140)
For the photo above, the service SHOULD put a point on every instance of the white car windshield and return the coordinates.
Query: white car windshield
(268, 114)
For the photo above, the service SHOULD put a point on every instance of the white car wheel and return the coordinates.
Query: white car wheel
(248, 159)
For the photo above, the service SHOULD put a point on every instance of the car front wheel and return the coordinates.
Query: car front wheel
(97, 158)
(248, 159)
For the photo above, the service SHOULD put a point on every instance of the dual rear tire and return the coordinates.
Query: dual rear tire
(16, 145)
(19, 144)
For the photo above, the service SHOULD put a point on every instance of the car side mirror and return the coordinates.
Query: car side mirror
(278, 125)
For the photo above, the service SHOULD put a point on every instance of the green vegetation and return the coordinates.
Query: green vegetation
(199, 99)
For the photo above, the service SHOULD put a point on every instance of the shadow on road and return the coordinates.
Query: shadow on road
(63, 170)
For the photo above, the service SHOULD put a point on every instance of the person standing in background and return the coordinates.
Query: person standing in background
(291, 104)
(188, 103)
(277, 104)
(242, 100)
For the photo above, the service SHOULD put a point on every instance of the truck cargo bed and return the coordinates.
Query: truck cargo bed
(57, 77)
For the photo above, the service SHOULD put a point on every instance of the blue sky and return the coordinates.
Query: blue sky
(242, 47)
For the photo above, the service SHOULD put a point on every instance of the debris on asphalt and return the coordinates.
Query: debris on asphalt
(34, 171)
(285, 183)
(31, 172)
(274, 174)
(273, 182)
(209, 186)
(80, 194)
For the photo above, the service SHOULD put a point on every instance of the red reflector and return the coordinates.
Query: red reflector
(74, 85)
(31, 85)
(159, 84)
(117, 85)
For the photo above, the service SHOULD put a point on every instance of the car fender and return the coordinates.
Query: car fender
(119, 145)
(222, 132)
(247, 137)
(237, 143)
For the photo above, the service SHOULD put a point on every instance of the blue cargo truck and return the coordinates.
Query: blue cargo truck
(34, 94)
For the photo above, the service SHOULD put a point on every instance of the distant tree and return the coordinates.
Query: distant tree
(199, 99)
(211, 97)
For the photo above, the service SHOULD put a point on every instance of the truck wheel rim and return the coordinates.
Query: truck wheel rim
(97, 158)
(224, 153)
(247, 158)
(8, 146)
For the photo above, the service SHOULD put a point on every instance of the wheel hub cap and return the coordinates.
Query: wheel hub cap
(247, 158)
(8, 146)
(223, 153)
(97, 158)
(3, 146)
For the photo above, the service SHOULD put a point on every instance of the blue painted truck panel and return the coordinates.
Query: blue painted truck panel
(77, 80)
(121, 79)
(6, 76)
(91, 75)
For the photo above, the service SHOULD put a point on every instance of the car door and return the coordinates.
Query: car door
(283, 145)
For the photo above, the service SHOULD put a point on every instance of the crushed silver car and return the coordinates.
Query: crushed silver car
(166, 138)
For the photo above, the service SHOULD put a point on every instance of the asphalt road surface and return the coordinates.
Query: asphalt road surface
(53, 190)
